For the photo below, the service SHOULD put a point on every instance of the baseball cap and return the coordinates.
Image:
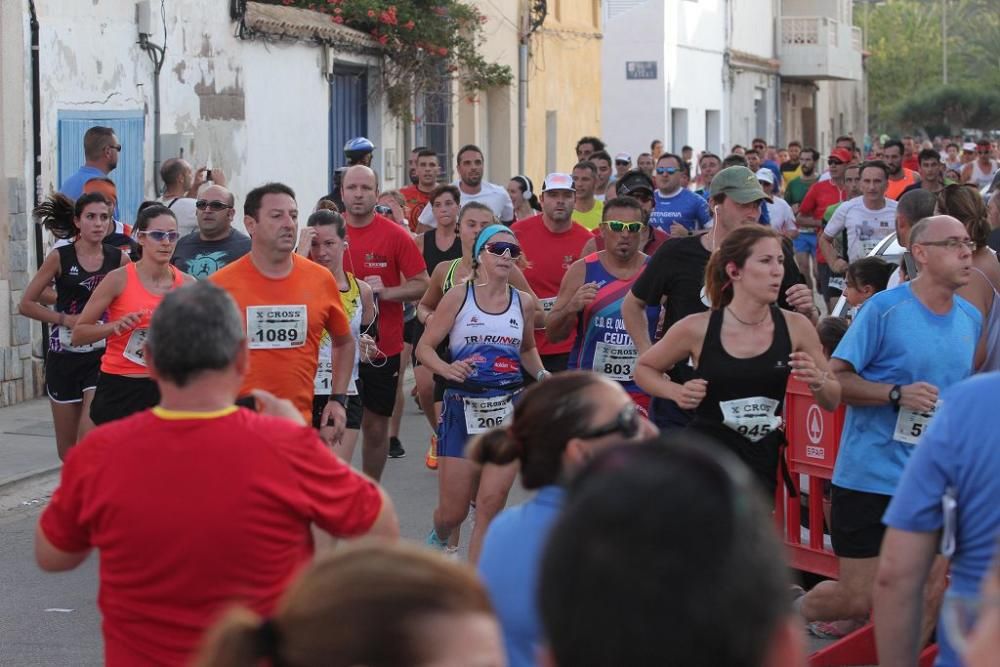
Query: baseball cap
(969, 146)
(632, 181)
(765, 175)
(738, 183)
(558, 181)
(623, 157)
(841, 154)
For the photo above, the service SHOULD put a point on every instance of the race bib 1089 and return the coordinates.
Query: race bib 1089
(276, 327)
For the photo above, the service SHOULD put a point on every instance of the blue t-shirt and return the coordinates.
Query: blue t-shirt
(72, 187)
(896, 339)
(685, 207)
(508, 566)
(959, 453)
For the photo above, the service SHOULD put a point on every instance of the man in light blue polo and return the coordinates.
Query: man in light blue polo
(100, 150)
(677, 210)
(906, 346)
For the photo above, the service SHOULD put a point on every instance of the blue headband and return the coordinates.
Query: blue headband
(487, 233)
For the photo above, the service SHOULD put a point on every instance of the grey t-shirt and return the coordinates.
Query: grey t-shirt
(202, 258)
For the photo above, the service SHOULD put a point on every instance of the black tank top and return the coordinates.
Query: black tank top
(433, 256)
(75, 284)
(745, 399)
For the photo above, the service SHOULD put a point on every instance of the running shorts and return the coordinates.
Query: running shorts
(69, 374)
(119, 396)
(379, 381)
(856, 527)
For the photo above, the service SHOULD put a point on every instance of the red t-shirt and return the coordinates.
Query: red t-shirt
(383, 248)
(416, 199)
(912, 163)
(821, 195)
(191, 515)
(549, 255)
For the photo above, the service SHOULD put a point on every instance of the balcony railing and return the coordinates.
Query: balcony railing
(819, 47)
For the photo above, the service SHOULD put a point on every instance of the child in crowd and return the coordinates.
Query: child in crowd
(865, 277)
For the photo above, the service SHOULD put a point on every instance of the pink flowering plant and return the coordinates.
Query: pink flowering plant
(423, 41)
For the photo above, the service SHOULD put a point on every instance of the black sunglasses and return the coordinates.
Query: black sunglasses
(382, 209)
(213, 205)
(626, 423)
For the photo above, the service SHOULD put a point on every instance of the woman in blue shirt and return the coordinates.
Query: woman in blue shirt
(557, 426)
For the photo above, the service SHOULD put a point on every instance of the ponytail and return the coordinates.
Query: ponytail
(58, 215)
(496, 446)
(233, 642)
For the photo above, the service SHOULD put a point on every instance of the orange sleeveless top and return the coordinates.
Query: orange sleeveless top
(124, 354)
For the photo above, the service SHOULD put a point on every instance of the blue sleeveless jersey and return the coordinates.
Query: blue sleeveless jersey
(602, 343)
(490, 341)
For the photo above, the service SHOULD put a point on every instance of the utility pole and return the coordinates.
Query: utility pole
(944, 42)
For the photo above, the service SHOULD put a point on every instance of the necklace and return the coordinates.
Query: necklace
(744, 322)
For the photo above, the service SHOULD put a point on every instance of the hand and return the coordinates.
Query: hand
(919, 396)
(677, 229)
(367, 347)
(458, 371)
(69, 321)
(584, 296)
(200, 176)
(804, 368)
(332, 423)
(692, 393)
(376, 283)
(800, 297)
(269, 404)
(306, 236)
(127, 322)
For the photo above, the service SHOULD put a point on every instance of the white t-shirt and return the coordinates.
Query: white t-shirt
(865, 227)
(490, 194)
(782, 218)
(183, 208)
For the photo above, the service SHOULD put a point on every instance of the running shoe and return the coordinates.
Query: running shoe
(435, 542)
(396, 450)
(431, 460)
(451, 553)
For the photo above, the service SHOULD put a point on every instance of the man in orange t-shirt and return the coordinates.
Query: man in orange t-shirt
(287, 302)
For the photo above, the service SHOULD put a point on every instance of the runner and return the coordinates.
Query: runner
(981, 171)
(551, 241)
(522, 196)
(76, 269)
(440, 245)
(743, 352)
(126, 298)
(485, 322)
(637, 185)
(417, 196)
(779, 212)
(809, 217)
(590, 299)
(900, 177)
(905, 346)
(288, 302)
(866, 219)
(472, 219)
(676, 210)
(324, 242)
(586, 207)
(676, 276)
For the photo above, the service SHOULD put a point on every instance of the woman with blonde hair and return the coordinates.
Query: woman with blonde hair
(372, 603)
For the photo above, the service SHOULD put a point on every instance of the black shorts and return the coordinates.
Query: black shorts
(379, 382)
(354, 410)
(412, 330)
(119, 396)
(825, 275)
(69, 374)
(856, 527)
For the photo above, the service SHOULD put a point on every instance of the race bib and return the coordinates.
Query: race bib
(134, 349)
(615, 362)
(910, 424)
(754, 418)
(547, 303)
(65, 334)
(838, 283)
(324, 377)
(868, 245)
(482, 414)
(276, 327)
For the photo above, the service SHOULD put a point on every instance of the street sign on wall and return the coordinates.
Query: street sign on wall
(640, 69)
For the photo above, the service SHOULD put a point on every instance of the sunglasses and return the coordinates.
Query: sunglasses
(618, 226)
(626, 423)
(501, 248)
(667, 170)
(382, 209)
(641, 195)
(833, 162)
(116, 147)
(160, 236)
(213, 205)
(621, 163)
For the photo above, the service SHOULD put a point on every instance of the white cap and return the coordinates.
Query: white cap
(766, 175)
(558, 181)
(969, 146)
(625, 157)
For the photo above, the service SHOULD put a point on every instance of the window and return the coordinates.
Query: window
(433, 115)
(678, 129)
(713, 131)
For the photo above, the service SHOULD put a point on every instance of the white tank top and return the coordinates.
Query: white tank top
(351, 300)
(981, 178)
(490, 341)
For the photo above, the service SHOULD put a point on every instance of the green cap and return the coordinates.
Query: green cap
(739, 183)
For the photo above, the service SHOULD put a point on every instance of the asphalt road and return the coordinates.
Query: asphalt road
(52, 619)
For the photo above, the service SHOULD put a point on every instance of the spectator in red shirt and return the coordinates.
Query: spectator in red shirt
(197, 504)
(383, 254)
(551, 243)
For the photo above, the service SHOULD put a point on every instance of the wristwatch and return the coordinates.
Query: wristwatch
(339, 398)
(894, 395)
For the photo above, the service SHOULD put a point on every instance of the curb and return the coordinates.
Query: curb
(8, 483)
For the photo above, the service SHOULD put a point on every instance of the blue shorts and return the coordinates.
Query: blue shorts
(805, 242)
(453, 431)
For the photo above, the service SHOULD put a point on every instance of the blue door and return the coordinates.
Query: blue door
(348, 111)
(129, 175)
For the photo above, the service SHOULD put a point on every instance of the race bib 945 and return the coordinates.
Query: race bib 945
(276, 327)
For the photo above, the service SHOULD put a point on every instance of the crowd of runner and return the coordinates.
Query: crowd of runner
(621, 340)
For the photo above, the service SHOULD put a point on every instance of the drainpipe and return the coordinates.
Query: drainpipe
(779, 139)
(156, 54)
(36, 144)
(522, 104)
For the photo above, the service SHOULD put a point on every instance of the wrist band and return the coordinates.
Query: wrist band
(541, 375)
